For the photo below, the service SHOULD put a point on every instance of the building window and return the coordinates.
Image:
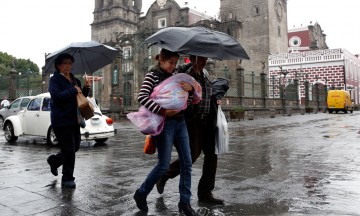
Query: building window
(279, 31)
(228, 31)
(162, 23)
(101, 4)
(127, 53)
(295, 41)
(230, 16)
(255, 11)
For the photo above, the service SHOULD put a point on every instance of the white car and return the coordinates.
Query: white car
(35, 121)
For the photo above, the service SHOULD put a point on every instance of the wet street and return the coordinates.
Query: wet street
(297, 165)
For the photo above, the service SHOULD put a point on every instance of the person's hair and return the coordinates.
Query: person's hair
(193, 58)
(60, 58)
(165, 55)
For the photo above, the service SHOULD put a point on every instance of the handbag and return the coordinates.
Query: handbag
(86, 109)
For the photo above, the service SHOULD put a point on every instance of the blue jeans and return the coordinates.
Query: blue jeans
(174, 132)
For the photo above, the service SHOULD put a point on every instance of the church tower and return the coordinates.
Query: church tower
(263, 29)
(114, 16)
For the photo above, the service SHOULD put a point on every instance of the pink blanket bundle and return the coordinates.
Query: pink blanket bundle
(170, 95)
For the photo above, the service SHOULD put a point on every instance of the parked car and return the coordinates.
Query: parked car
(35, 121)
(16, 106)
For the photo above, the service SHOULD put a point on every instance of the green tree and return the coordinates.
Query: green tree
(21, 65)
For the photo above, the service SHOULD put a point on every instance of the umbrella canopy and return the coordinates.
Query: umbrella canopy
(198, 41)
(89, 56)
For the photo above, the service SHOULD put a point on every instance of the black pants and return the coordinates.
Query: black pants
(202, 138)
(69, 141)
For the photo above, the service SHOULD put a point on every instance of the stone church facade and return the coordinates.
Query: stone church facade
(259, 25)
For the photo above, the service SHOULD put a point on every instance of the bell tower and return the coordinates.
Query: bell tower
(114, 16)
(263, 28)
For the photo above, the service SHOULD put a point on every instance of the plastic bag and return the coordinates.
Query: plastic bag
(221, 133)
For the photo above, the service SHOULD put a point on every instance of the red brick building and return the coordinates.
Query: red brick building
(333, 68)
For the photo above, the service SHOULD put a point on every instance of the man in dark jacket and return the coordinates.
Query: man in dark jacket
(200, 123)
(63, 88)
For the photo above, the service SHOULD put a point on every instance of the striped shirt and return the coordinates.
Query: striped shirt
(152, 78)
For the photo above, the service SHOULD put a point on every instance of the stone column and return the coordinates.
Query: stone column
(240, 80)
(263, 87)
(45, 77)
(306, 86)
(115, 99)
(12, 86)
(296, 83)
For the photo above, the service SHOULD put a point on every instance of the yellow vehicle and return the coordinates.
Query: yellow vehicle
(339, 100)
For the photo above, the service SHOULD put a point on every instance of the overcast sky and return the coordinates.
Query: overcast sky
(31, 28)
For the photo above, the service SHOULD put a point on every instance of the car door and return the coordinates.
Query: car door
(44, 117)
(30, 120)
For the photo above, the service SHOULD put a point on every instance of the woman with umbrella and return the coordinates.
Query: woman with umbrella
(63, 88)
(173, 133)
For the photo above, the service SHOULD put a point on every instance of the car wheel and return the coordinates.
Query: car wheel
(1, 122)
(101, 141)
(9, 133)
(51, 137)
(346, 110)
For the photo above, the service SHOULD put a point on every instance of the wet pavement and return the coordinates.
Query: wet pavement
(297, 165)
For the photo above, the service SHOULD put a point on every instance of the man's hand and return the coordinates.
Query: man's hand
(186, 86)
(87, 83)
(78, 89)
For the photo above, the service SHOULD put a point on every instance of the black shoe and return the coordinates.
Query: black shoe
(53, 168)
(185, 209)
(140, 201)
(209, 198)
(160, 184)
(68, 184)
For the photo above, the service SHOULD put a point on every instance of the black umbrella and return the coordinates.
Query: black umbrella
(198, 41)
(89, 56)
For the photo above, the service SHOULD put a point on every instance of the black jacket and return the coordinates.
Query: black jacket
(63, 100)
